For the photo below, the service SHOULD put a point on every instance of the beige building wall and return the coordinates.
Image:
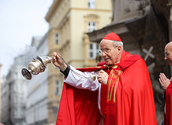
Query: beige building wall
(69, 18)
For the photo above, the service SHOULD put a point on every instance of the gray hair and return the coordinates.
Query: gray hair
(118, 43)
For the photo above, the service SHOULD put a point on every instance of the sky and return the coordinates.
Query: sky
(20, 20)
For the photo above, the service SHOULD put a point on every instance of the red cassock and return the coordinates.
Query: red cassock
(126, 100)
(168, 101)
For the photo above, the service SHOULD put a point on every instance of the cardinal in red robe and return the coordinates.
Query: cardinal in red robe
(124, 98)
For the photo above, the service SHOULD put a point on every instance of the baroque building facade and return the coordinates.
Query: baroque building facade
(14, 94)
(69, 20)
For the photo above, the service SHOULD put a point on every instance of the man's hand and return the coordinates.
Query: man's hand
(57, 61)
(103, 77)
(164, 81)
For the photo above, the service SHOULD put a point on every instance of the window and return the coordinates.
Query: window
(93, 50)
(91, 26)
(57, 87)
(57, 38)
(91, 4)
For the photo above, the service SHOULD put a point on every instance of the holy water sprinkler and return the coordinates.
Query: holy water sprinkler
(35, 67)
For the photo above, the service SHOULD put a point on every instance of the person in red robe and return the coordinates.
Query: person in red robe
(167, 86)
(120, 85)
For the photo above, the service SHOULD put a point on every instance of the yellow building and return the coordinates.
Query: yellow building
(69, 21)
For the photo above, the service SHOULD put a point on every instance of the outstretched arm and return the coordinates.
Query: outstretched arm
(76, 78)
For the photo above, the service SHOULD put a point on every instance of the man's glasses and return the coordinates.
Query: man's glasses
(106, 51)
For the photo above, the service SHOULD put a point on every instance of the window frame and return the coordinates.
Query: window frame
(91, 26)
(94, 50)
(91, 4)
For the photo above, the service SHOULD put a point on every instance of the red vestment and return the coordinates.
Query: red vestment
(134, 102)
(168, 101)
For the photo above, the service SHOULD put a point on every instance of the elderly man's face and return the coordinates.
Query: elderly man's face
(168, 53)
(110, 53)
